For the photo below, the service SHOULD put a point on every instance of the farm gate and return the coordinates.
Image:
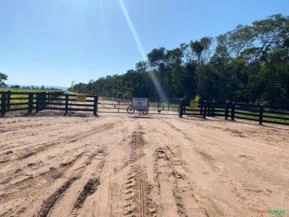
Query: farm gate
(33, 102)
(120, 105)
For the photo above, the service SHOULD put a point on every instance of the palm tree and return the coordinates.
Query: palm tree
(198, 48)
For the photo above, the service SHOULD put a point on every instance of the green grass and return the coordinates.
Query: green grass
(28, 90)
(23, 98)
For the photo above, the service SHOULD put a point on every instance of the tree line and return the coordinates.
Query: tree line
(4, 77)
(248, 64)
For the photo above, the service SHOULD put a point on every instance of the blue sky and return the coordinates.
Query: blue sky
(53, 42)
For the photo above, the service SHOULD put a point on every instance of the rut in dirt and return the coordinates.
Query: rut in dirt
(89, 189)
(173, 187)
(51, 201)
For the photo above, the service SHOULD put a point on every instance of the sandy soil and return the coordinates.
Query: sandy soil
(119, 165)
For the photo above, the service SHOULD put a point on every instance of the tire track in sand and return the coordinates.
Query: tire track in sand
(89, 188)
(71, 173)
(50, 201)
(67, 139)
(72, 200)
(173, 188)
(137, 202)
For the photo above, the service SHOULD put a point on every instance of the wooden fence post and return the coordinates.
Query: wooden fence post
(95, 106)
(227, 111)
(205, 109)
(184, 106)
(38, 98)
(47, 98)
(261, 114)
(8, 100)
(66, 103)
(44, 100)
(232, 111)
(30, 103)
(201, 106)
(213, 108)
(168, 104)
(40, 102)
(181, 107)
(208, 108)
(3, 104)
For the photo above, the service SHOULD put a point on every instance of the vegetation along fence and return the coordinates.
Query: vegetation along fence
(31, 102)
(231, 110)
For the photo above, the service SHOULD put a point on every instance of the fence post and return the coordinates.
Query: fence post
(8, 99)
(213, 107)
(95, 106)
(205, 109)
(261, 114)
(3, 104)
(37, 102)
(207, 102)
(209, 109)
(168, 104)
(227, 111)
(181, 108)
(30, 103)
(44, 100)
(41, 101)
(232, 111)
(48, 99)
(66, 103)
(184, 106)
(201, 106)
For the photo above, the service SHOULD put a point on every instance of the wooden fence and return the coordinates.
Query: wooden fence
(33, 102)
(232, 111)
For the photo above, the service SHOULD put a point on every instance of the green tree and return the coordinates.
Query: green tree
(200, 49)
(249, 63)
(3, 78)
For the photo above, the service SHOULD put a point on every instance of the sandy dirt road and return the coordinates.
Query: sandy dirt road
(118, 165)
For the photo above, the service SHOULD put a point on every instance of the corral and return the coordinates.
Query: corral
(29, 102)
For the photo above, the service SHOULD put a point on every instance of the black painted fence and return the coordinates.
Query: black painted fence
(33, 102)
(231, 110)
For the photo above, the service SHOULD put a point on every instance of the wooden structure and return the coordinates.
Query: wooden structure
(33, 102)
(231, 110)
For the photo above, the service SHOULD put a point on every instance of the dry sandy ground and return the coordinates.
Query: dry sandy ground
(118, 165)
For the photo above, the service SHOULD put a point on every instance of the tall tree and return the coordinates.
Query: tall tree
(158, 62)
(3, 78)
(200, 49)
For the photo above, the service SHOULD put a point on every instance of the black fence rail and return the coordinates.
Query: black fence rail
(33, 102)
(232, 111)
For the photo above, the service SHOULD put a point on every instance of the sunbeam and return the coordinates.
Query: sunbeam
(141, 49)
